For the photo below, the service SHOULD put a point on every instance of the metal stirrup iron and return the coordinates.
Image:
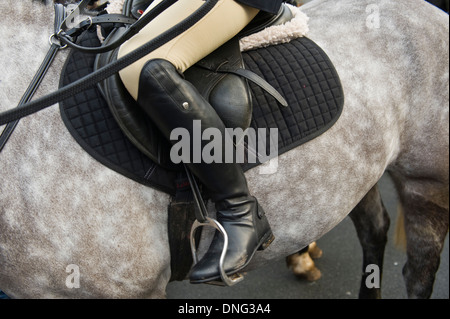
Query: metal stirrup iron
(202, 219)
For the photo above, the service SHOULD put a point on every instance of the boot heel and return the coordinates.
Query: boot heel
(266, 243)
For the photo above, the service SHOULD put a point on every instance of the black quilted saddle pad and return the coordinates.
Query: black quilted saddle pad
(305, 76)
(91, 123)
(299, 70)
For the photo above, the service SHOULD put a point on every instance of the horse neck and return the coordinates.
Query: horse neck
(25, 27)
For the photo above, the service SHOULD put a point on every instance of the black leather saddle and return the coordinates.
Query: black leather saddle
(221, 78)
(300, 71)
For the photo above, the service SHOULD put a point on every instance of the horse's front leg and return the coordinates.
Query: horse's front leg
(372, 223)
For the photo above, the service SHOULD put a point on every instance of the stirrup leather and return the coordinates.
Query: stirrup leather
(226, 280)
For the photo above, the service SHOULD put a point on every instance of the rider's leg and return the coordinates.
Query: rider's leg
(222, 23)
(173, 103)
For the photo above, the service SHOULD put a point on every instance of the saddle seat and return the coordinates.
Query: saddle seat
(220, 78)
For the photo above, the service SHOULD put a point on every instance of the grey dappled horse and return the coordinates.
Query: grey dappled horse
(61, 211)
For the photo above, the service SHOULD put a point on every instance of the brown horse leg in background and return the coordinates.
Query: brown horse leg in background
(372, 222)
(424, 221)
(302, 262)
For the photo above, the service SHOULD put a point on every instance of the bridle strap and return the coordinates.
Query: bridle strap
(128, 34)
(60, 14)
(99, 20)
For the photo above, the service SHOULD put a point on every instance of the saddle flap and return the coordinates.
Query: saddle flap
(228, 93)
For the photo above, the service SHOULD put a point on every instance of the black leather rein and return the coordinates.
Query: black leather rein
(60, 15)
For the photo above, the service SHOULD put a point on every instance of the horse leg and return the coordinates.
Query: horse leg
(426, 221)
(371, 221)
(302, 263)
(314, 251)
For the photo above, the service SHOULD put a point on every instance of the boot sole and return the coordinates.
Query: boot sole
(263, 244)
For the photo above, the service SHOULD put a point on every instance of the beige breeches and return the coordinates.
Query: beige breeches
(223, 22)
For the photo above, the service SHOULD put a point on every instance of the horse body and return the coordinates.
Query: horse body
(59, 207)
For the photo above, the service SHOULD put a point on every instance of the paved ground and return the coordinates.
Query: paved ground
(340, 267)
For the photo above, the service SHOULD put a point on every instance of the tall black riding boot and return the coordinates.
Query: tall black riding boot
(172, 102)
